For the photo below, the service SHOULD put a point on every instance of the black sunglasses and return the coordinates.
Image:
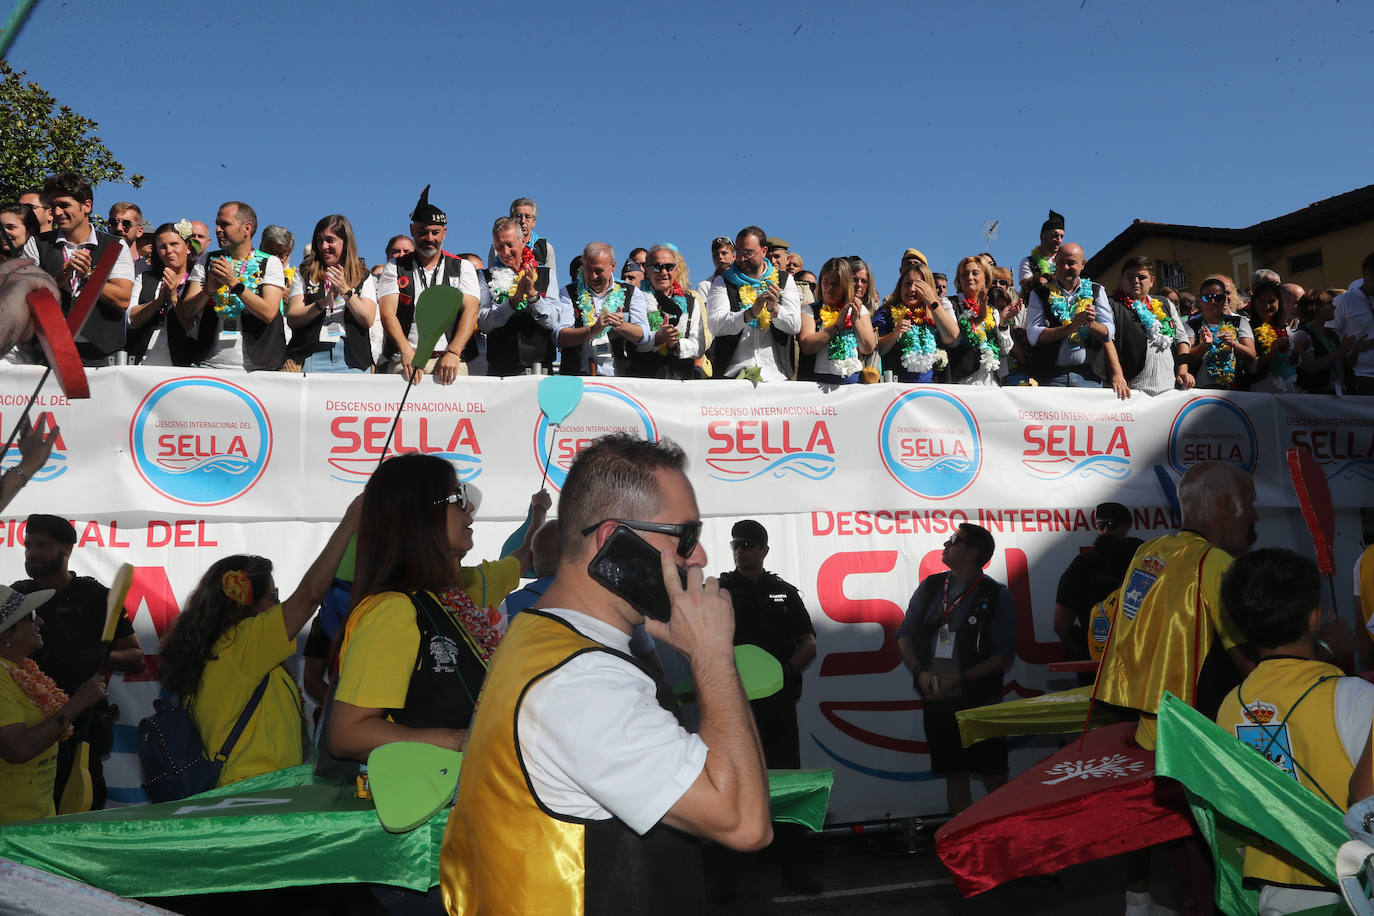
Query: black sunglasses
(1214, 297)
(743, 544)
(665, 267)
(687, 533)
(122, 223)
(459, 496)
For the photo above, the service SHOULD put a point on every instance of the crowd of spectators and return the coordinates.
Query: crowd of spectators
(174, 298)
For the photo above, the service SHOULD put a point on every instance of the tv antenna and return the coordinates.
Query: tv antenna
(990, 229)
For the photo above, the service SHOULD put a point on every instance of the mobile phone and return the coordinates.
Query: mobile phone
(629, 567)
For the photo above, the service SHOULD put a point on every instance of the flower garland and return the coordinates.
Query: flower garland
(843, 349)
(1082, 301)
(916, 348)
(1220, 358)
(41, 690)
(504, 281)
(613, 302)
(656, 318)
(749, 288)
(980, 335)
(1040, 264)
(483, 631)
(226, 303)
(1269, 339)
(1152, 316)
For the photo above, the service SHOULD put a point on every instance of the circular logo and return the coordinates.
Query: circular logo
(930, 443)
(200, 441)
(1212, 429)
(602, 410)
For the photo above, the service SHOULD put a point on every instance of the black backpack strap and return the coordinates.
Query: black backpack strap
(242, 723)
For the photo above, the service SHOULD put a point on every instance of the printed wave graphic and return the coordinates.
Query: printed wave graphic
(229, 464)
(1110, 466)
(357, 470)
(949, 464)
(1355, 467)
(56, 466)
(811, 465)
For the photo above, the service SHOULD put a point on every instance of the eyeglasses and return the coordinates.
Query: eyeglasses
(122, 223)
(459, 496)
(1214, 297)
(743, 544)
(687, 533)
(663, 267)
(955, 539)
(747, 254)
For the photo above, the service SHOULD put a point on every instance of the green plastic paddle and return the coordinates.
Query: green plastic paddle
(759, 672)
(411, 782)
(435, 311)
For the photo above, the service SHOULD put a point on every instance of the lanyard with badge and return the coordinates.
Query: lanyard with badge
(944, 638)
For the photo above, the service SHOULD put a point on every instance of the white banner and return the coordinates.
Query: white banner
(858, 487)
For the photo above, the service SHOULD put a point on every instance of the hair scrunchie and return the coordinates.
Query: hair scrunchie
(237, 587)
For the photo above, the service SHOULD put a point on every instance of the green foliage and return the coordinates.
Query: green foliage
(38, 139)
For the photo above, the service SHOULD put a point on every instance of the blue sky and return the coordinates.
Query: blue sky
(855, 128)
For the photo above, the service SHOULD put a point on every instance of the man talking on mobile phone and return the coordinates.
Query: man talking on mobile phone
(578, 786)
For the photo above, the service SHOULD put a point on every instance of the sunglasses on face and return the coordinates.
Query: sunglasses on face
(122, 223)
(663, 267)
(459, 497)
(1214, 297)
(955, 539)
(687, 533)
(1103, 524)
(743, 544)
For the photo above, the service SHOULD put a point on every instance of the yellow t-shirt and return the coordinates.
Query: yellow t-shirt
(272, 738)
(381, 639)
(25, 788)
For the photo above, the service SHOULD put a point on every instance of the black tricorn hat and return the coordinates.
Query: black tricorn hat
(1056, 221)
(426, 213)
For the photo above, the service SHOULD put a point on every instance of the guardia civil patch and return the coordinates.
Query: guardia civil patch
(1272, 741)
(1137, 586)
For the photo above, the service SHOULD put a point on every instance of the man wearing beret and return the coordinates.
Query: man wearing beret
(73, 619)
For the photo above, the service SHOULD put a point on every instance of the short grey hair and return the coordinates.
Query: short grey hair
(524, 202)
(502, 224)
(596, 248)
(279, 237)
(1207, 488)
(1263, 274)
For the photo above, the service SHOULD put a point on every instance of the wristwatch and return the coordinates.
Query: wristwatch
(238, 288)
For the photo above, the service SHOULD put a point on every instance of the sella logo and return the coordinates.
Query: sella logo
(745, 449)
(360, 442)
(602, 410)
(1060, 450)
(930, 443)
(45, 422)
(1211, 428)
(200, 441)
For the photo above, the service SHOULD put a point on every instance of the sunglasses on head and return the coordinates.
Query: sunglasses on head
(687, 533)
(459, 496)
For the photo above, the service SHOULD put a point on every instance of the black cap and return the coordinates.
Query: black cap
(1114, 513)
(426, 213)
(750, 530)
(53, 526)
(1056, 221)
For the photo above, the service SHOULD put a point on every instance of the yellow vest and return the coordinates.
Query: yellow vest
(1367, 584)
(503, 853)
(1302, 741)
(1157, 641)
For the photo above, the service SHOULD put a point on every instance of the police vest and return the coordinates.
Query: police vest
(1285, 710)
(504, 853)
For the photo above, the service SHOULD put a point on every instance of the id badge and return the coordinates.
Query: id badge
(944, 642)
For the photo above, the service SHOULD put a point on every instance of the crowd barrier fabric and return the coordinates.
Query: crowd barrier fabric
(858, 487)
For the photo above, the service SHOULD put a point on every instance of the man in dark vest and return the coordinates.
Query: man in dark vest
(515, 315)
(579, 785)
(525, 212)
(676, 322)
(600, 320)
(70, 252)
(1069, 325)
(402, 283)
(237, 314)
(754, 313)
(957, 639)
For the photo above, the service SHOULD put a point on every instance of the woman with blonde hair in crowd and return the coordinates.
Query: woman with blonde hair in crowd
(837, 331)
(911, 326)
(978, 355)
(332, 304)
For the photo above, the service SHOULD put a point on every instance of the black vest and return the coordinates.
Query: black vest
(447, 676)
(104, 328)
(971, 629)
(136, 338)
(651, 363)
(1132, 340)
(1241, 379)
(1322, 344)
(1043, 363)
(724, 345)
(571, 362)
(408, 290)
(521, 342)
(963, 356)
(264, 342)
(305, 339)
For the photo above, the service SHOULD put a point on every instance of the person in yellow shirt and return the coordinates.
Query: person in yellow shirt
(231, 633)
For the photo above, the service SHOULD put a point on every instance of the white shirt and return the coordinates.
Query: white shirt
(492, 315)
(1355, 315)
(755, 346)
(983, 376)
(599, 347)
(595, 741)
(123, 267)
(692, 341)
(466, 281)
(1071, 353)
(228, 351)
(157, 352)
(333, 327)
